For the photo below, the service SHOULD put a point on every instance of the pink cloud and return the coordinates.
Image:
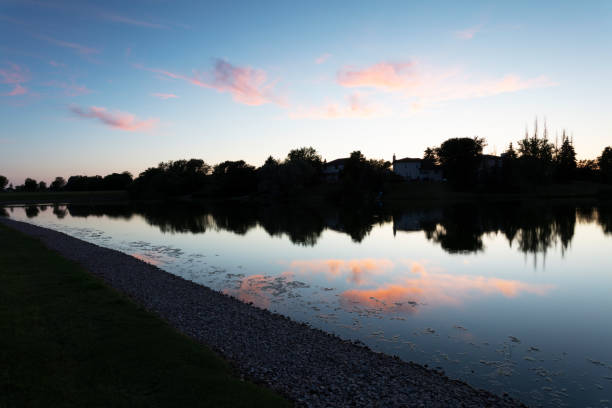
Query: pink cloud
(355, 107)
(14, 76)
(81, 49)
(119, 120)
(468, 33)
(164, 95)
(71, 89)
(247, 85)
(56, 64)
(429, 86)
(18, 90)
(384, 75)
(322, 58)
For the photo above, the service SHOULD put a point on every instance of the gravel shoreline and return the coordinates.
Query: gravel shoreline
(308, 366)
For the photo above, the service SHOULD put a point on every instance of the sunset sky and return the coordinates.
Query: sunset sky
(92, 88)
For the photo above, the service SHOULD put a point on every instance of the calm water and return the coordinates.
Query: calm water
(510, 297)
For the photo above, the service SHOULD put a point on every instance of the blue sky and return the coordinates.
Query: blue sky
(92, 88)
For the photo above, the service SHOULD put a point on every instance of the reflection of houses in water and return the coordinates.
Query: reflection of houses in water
(417, 220)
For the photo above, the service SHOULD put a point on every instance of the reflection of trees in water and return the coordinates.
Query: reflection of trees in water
(3, 212)
(534, 227)
(31, 211)
(460, 230)
(59, 211)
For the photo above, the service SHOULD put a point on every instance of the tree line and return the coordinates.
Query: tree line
(535, 161)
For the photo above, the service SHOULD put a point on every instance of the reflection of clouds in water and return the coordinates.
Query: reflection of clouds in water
(146, 258)
(358, 271)
(263, 290)
(437, 289)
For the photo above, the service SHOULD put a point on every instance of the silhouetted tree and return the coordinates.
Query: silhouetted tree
(587, 170)
(510, 171)
(460, 159)
(307, 154)
(3, 182)
(172, 178)
(30, 185)
(430, 159)
(536, 156)
(85, 183)
(57, 184)
(117, 181)
(235, 178)
(361, 176)
(605, 164)
(565, 160)
(42, 186)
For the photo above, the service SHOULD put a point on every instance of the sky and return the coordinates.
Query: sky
(99, 87)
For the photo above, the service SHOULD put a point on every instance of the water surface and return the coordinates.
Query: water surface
(511, 297)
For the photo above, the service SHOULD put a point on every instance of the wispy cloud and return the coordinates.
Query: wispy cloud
(56, 64)
(354, 107)
(81, 49)
(247, 85)
(384, 75)
(70, 89)
(322, 58)
(126, 20)
(164, 95)
(468, 33)
(116, 119)
(14, 76)
(429, 86)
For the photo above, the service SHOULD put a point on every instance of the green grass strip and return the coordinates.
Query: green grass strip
(69, 340)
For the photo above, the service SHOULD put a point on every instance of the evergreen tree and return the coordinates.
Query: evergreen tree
(605, 164)
(565, 159)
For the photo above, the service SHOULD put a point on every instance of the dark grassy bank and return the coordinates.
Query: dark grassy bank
(66, 339)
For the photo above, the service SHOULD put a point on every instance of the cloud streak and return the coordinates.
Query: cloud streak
(117, 120)
(130, 21)
(430, 86)
(164, 95)
(81, 49)
(355, 107)
(70, 89)
(468, 33)
(322, 58)
(247, 85)
(14, 76)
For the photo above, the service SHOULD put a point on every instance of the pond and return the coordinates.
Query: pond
(512, 297)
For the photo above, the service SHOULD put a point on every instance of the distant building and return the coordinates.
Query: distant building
(490, 161)
(331, 170)
(416, 169)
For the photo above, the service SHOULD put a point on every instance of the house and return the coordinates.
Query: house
(331, 170)
(416, 169)
(489, 161)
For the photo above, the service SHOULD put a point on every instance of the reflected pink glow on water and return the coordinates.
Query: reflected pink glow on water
(358, 271)
(407, 284)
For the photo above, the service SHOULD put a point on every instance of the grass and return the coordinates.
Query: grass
(61, 196)
(67, 339)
